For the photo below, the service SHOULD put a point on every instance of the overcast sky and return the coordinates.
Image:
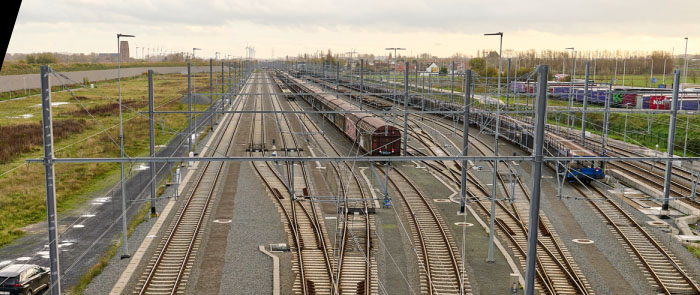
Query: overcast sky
(289, 27)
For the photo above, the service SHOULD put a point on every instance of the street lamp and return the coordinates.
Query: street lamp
(571, 91)
(664, 76)
(351, 52)
(193, 49)
(624, 69)
(194, 91)
(685, 71)
(121, 144)
(395, 62)
(494, 187)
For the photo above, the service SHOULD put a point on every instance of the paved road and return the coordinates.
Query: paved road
(17, 82)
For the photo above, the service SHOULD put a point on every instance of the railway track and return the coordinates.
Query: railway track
(440, 264)
(651, 173)
(312, 259)
(557, 274)
(660, 267)
(439, 261)
(556, 271)
(169, 269)
(356, 269)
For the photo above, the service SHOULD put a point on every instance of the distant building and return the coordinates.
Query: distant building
(401, 67)
(106, 57)
(124, 50)
(433, 68)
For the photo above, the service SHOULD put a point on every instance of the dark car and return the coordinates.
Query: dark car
(20, 279)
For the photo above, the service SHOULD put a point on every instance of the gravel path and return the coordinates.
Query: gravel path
(255, 222)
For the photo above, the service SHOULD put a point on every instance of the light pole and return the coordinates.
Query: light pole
(121, 144)
(194, 91)
(651, 72)
(571, 91)
(494, 187)
(393, 80)
(624, 69)
(685, 71)
(350, 52)
(664, 76)
(216, 55)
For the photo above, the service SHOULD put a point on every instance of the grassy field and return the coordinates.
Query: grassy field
(18, 68)
(22, 189)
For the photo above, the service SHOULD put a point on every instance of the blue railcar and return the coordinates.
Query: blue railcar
(583, 170)
(689, 104)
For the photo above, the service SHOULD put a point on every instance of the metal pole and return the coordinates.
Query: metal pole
(685, 72)
(624, 135)
(189, 106)
(696, 177)
(671, 139)
(387, 201)
(121, 152)
(362, 79)
(571, 91)
(651, 72)
(422, 96)
(452, 83)
(585, 104)
(152, 135)
(507, 86)
(50, 180)
(494, 187)
(606, 119)
(405, 111)
(534, 221)
(465, 140)
(221, 96)
(211, 94)
(624, 71)
(685, 142)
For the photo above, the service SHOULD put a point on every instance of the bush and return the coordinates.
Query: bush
(22, 138)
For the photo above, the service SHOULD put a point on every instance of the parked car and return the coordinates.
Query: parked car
(23, 279)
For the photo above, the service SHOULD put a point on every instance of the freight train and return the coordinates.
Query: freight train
(519, 132)
(371, 133)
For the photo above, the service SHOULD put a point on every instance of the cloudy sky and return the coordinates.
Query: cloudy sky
(289, 27)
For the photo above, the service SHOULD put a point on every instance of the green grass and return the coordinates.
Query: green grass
(18, 68)
(22, 190)
(694, 250)
(21, 93)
